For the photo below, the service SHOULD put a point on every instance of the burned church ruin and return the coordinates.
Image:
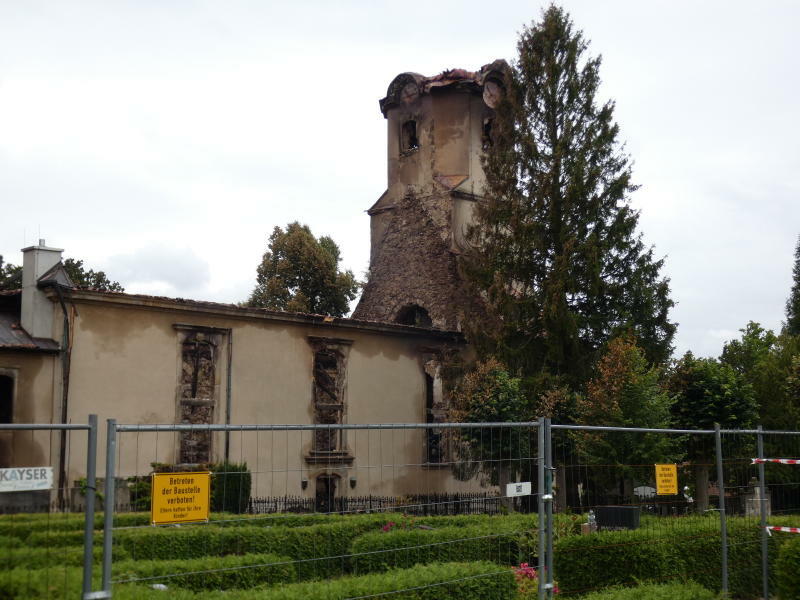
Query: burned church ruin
(189, 362)
(438, 129)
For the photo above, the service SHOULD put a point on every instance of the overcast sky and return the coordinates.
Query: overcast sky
(162, 141)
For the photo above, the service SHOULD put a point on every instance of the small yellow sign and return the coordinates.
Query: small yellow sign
(180, 497)
(666, 480)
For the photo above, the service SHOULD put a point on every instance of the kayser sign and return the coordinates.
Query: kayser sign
(24, 479)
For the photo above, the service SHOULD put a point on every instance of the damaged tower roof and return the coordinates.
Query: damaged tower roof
(410, 85)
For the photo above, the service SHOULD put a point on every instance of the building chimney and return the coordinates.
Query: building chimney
(37, 309)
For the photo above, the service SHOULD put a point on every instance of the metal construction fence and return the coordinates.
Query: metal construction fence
(400, 495)
(458, 503)
(24, 448)
(383, 478)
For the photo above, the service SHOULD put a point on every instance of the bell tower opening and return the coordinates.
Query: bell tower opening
(408, 136)
(414, 315)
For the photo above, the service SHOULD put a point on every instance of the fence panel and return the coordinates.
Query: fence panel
(606, 478)
(386, 496)
(42, 499)
(778, 493)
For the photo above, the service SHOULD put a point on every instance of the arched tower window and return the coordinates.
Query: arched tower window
(408, 136)
(415, 315)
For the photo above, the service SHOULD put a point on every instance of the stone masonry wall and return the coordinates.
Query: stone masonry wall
(414, 264)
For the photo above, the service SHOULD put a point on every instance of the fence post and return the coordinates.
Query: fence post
(108, 513)
(540, 506)
(548, 485)
(88, 519)
(763, 510)
(722, 519)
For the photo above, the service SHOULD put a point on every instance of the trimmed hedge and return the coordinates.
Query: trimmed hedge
(321, 549)
(448, 581)
(499, 542)
(7, 541)
(59, 539)
(211, 573)
(673, 591)
(586, 563)
(21, 528)
(66, 522)
(788, 570)
(42, 558)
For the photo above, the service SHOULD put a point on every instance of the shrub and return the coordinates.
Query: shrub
(42, 558)
(449, 581)
(66, 522)
(788, 570)
(672, 591)
(58, 539)
(7, 541)
(230, 487)
(690, 548)
(211, 573)
(320, 549)
(585, 563)
(41, 583)
(381, 550)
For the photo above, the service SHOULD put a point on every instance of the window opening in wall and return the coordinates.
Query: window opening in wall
(487, 133)
(433, 446)
(328, 405)
(6, 399)
(408, 136)
(415, 315)
(197, 391)
(325, 497)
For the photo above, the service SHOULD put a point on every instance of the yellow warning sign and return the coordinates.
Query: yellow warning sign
(180, 497)
(666, 480)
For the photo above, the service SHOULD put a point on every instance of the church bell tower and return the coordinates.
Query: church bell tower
(438, 129)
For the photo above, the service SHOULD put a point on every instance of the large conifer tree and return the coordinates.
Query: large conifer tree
(793, 303)
(556, 267)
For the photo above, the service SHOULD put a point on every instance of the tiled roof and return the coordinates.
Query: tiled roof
(14, 337)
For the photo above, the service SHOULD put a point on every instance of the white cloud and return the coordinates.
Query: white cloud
(160, 270)
(188, 134)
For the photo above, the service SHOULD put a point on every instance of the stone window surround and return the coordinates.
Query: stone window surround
(341, 347)
(216, 337)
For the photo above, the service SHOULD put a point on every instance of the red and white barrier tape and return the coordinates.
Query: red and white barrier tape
(783, 461)
(770, 529)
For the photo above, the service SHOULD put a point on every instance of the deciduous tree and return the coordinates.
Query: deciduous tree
(91, 279)
(300, 273)
(626, 392)
(706, 392)
(488, 394)
(11, 277)
(766, 362)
